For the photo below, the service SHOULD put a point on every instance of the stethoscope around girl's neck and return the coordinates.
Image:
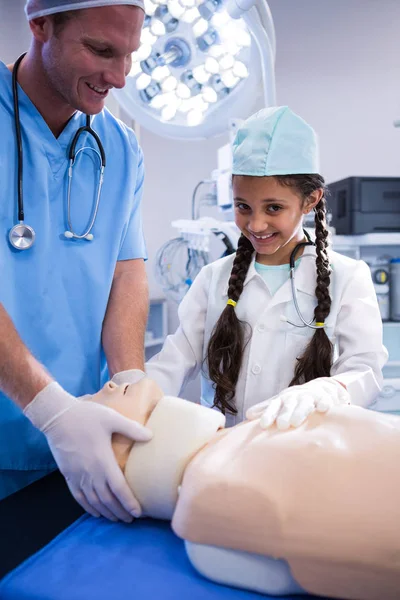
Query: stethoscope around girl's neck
(292, 268)
(22, 236)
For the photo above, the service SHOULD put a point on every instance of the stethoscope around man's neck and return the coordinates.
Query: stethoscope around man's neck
(22, 236)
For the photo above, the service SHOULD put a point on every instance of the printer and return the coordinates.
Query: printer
(365, 205)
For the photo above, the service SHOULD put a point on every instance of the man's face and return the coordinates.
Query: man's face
(92, 54)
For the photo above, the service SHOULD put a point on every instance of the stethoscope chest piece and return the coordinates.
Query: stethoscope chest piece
(21, 236)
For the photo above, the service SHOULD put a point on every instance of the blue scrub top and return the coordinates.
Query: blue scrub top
(56, 293)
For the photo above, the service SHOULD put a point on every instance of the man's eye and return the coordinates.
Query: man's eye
(100, 51)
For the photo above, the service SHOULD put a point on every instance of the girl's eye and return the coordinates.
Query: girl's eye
(274, 208)
(241, 206)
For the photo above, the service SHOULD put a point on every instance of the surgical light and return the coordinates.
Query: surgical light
(199, 65)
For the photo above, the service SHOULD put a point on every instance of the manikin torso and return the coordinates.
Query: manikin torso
(324, 497)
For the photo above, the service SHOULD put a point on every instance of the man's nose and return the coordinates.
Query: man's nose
(116, 74)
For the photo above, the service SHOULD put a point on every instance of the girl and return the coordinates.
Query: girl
(243, 319)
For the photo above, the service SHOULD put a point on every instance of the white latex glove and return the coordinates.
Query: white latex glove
(294, 404)
(130, 376)
(79, 435)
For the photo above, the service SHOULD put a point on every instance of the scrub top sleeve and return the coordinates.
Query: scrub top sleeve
(133, 244)
(362, 354)
(181, 357)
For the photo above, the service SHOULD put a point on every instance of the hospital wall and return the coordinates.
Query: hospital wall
(338, 65)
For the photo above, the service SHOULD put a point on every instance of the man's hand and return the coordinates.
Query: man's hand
(79, 435)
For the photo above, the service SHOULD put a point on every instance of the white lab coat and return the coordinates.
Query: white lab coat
(354, 326)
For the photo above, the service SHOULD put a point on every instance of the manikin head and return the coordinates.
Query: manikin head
(136, 401)
(181, 429)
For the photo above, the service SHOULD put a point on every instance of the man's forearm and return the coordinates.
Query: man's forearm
(124, 325)
(21, 375)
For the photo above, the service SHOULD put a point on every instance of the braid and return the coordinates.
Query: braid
(322, 263)
(317, 358)
(240, 267)
(226, 345)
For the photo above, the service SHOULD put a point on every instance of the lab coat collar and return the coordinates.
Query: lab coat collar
(306, 277)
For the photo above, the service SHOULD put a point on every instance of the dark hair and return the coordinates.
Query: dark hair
(227, 342)
(60, 20)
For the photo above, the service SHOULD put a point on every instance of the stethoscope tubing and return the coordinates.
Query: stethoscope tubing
(292, 267)
(22, 236)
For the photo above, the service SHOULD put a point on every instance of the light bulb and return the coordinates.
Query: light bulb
(243, 38)
(135, 70)
(231, 47)
(182, 91)
(149, 7)
(157, 28)
(200, 27)
(135, 57)
(211, 65)
(194, 117)
(216, 51)
(229, 79)
(168, 112)
(169, 84)
(160, 73)
(190, 15)
(175, 8)
(199, 104)
(240, 70)
(226, 62)
(220, 19)
(230, 30)
(143, 81)
(159, 101)
(200, 74)
(185, 106)
(147, 37)
(209, 94)
(172, 100)
(144, 51)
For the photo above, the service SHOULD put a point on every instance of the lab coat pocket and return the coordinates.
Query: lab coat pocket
(295, 346)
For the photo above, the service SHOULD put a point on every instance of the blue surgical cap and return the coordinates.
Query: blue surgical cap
(41, 8)
(275, 141)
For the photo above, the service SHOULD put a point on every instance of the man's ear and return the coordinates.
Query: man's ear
(41, 28)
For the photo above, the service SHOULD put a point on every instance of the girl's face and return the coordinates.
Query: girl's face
(270, 215)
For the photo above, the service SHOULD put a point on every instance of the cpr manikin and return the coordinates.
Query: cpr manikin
(311, 509)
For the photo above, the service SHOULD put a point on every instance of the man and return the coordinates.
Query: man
(71, 306)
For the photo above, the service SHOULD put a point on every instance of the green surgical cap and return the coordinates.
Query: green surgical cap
(41, 8)
(275, 141)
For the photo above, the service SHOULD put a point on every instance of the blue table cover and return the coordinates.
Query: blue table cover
(95, 559)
